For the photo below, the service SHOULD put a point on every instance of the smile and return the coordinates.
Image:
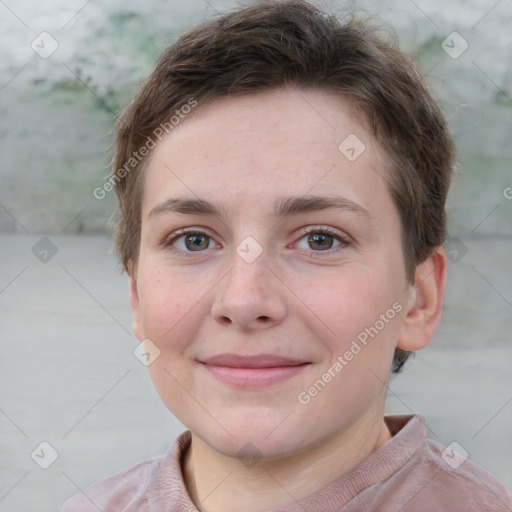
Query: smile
(253, 371)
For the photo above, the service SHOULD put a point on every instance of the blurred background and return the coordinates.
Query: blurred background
(68, 375)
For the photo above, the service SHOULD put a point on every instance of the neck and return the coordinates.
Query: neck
(217, 483)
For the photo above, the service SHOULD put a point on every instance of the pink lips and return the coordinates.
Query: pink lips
(253, 371)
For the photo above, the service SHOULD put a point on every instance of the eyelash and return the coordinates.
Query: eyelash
(324, 230)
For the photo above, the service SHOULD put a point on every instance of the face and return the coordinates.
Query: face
(270, 275)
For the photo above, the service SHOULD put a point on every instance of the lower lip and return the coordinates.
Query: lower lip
(254, 377)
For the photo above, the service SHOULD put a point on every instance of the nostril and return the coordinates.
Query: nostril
(263, 318)
(225, 320)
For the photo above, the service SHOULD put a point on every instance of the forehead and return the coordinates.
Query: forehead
(251, 150)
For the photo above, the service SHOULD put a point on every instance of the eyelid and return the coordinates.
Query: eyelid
(319, 228)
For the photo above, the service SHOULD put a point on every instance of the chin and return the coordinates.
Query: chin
(255, 438)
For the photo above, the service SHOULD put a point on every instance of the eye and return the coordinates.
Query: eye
(318, 239)
(190, 241)
(321, 239)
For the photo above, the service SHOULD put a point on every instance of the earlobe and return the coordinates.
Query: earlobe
(425, 307)
(135, 306)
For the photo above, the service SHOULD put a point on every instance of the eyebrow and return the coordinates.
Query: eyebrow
(285, 206)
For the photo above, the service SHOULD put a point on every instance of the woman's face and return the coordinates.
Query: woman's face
(270, 274)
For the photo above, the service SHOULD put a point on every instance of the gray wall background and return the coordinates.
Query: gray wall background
(68, 375)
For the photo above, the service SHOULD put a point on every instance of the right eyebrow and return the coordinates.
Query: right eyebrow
(185, 205)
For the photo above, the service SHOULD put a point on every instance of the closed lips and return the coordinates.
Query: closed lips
(252, 371)
(258, 361)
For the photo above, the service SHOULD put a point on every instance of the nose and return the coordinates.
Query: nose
(250, 296)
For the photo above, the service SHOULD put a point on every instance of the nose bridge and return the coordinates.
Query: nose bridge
(246, 281)
(249, 261)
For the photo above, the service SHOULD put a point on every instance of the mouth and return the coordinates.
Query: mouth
(253, 371)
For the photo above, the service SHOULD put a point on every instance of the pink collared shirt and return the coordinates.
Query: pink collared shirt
(408, 474)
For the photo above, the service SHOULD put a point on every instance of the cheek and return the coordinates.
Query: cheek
(171, 307)
(351, 299)
(365, 311)
(361, 311)
(172, 310)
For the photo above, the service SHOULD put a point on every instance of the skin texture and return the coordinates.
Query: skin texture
(296, 299)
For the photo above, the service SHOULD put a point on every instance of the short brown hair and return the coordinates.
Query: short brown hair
(291, 43)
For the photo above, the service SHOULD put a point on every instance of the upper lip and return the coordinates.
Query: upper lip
(255, 361)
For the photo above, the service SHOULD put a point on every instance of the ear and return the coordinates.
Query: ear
(135, 305)
(425, 304)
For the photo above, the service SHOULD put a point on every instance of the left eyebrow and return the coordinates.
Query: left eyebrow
(284, 207)
(296, 205)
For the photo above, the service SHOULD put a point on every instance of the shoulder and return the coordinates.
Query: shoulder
(437, 478)
(122, 492)
(424, 475)
(461, 480)
(150, 485)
